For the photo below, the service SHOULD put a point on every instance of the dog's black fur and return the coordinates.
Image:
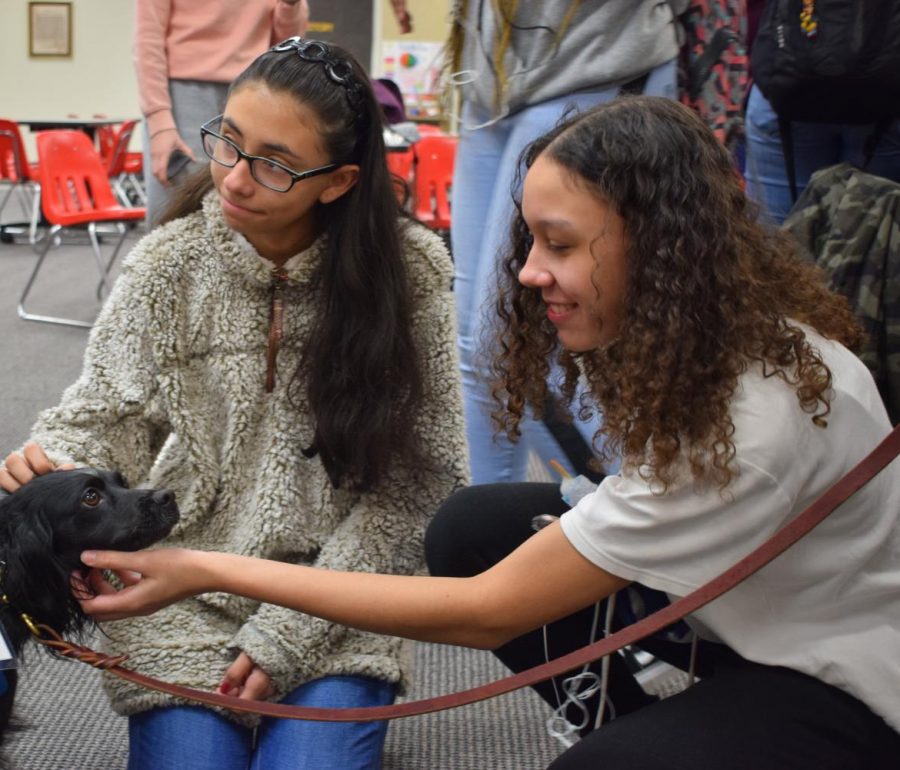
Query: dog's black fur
(44, 527)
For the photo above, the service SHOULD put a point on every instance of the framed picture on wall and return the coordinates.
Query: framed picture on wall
(50, 29)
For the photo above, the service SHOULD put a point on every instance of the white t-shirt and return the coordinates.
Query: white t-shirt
(830, 605)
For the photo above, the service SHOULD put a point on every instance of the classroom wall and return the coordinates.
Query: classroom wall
(99, 76)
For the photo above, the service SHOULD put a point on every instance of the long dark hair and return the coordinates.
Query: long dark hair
(360, 367)
(708, 291)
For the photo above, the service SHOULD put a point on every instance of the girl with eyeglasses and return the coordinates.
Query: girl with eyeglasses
(724, 370)
(280, 354)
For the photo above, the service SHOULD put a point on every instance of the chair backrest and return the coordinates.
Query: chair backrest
(435, 156)
(117, 152)
(74, 186)
(13, 162)
(400, 164)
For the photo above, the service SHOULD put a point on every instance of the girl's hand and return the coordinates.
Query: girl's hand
(244, 679)
(151, 579)
(18, 469)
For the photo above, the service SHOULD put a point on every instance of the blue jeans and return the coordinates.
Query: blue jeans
(484, 174)
(197, 738)
(816, 146)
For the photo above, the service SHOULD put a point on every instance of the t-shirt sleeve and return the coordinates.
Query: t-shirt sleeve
(677, 540)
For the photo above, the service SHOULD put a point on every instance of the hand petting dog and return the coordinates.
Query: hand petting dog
(18, 469)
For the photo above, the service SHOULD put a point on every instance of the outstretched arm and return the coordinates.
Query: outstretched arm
(543, 580)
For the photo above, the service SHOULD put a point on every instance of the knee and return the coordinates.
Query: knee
(478, 526)
(449, 537)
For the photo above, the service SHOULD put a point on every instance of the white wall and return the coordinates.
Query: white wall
(98, 78)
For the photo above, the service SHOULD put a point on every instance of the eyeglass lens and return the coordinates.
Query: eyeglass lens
(225, 152)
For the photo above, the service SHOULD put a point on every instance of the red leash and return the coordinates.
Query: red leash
(861, 474)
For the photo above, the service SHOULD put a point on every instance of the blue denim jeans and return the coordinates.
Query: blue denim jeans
(816, 146)
(484, 175)
(197, 738)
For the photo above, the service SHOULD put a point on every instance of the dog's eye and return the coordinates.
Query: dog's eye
(91, 497)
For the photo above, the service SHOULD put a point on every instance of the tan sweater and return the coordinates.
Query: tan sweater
(173, 394)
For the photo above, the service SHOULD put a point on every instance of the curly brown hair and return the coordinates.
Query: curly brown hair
(709, 291)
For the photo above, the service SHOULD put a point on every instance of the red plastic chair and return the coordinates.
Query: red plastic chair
(76, 193)
(124, 168)
(400, 164)
(19, 175)
(435, 156)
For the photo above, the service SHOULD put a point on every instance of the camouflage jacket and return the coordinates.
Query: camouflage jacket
(850, 222)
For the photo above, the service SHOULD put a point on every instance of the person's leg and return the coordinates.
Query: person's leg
(477, 527)
(193, 103)
(161, 739)
(885, 160)
(473, 242)
(487, 164)
(288, 744)
(744, 717)
(815, 146)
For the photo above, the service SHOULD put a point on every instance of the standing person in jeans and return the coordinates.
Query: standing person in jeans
(520, 67)
(815, 146)
(186, 53)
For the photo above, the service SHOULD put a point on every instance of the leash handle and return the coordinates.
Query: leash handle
(838, 493)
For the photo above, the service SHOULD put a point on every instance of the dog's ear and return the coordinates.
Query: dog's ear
(35, 581)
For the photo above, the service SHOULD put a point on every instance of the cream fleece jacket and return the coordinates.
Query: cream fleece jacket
(173, 394)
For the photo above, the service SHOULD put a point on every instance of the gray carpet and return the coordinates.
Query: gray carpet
(69, 725)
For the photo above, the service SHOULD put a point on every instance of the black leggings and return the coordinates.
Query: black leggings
(740, 716)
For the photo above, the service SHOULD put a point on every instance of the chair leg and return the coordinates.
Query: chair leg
(5, 236)
(35, 215)
(105, 268)
(137, 185)
(23, 313)
(9, 192)
(9, 230)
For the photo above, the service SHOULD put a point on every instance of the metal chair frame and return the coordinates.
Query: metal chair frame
(123, 167)
(76, 193)
(18, 173)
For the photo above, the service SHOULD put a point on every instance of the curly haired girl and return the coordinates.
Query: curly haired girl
(722, 367)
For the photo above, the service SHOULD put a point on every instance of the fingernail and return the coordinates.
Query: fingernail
(225, 687)
(88, 557)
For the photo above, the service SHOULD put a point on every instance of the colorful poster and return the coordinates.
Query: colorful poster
(415, 66)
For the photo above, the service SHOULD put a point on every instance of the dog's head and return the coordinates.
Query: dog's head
(45, 525)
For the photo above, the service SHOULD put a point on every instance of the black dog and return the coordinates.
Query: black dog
(44, 527)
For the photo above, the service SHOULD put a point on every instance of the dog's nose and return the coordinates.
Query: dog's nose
(163, 497)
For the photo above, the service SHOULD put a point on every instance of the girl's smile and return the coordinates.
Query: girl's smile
(577, 258)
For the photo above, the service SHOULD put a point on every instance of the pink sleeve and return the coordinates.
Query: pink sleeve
(289, 20)
(151, 63)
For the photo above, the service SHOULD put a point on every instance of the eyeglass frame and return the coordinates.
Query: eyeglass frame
(296, 176)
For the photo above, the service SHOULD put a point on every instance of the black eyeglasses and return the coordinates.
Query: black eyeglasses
(269, 173)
